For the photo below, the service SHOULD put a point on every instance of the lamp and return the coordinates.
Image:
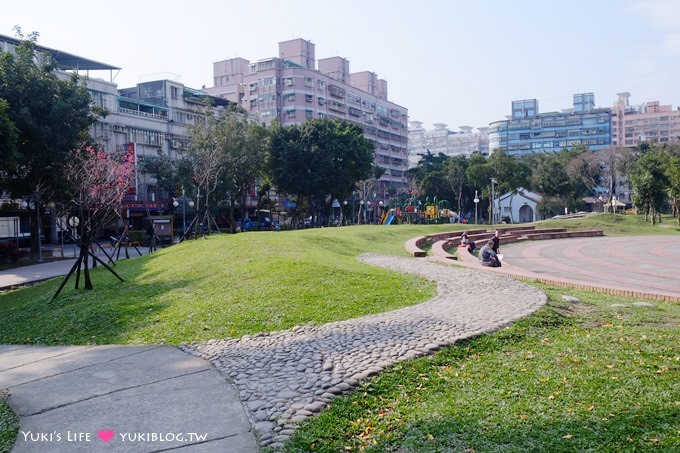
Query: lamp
(493, 201)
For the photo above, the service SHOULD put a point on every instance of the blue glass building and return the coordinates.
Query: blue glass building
(529, 131)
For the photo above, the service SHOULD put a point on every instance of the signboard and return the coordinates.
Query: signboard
(162, 226)
(9, 227)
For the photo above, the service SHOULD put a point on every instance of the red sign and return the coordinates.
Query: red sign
(141, 205)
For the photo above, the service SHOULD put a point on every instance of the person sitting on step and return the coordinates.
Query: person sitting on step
(467, 243)
(488, 257)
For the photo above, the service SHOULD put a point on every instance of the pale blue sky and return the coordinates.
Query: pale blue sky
(450, 61)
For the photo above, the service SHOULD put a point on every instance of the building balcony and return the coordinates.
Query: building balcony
(157, 116)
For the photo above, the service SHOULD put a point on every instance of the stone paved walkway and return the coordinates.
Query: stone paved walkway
(285, 377)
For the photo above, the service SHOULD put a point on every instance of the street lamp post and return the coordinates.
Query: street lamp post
(25, 205)
(493, 201)
(476, 200)
(176, 203)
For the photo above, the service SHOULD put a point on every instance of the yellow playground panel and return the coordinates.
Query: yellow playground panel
(430, 212)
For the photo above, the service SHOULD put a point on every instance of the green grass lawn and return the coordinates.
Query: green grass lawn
(569, 378)
(9, 427)
(587, 377)
(223, 286)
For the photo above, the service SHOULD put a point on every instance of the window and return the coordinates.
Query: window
(288, 81)
(336, 91)
(290, 97)
(337, 106)
(290, 113)
(353, 99)
(147, 137)
(175, 92)
(309, 98)
(267, 81)
(321, 84)
(309, 82)
(309, 114)
(368, 104)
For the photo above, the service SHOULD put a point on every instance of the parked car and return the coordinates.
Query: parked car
(266, 224)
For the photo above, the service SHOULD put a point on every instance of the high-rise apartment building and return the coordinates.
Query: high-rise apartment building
(649, 122)
(529, 131)
(445, 141)
(294, 87)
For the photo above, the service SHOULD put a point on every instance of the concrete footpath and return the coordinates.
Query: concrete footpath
(121, 398)
(49, 269)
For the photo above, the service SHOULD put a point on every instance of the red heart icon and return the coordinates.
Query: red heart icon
(106, 434)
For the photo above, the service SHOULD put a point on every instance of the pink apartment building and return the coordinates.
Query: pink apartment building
(648, 122)
(295, 87)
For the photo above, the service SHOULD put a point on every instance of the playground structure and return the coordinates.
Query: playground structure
(413, 210)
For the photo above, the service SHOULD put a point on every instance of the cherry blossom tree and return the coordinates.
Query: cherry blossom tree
(97, 182)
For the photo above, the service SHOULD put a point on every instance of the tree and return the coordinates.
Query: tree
(672, 171)
(455, 169)
(227, 157)
(97, 182)
(586, 170)
(51, 117)
(510, 172)
(205, 155)
(245, 144)
(649, 182)
(428, 163)
(8, 140)
(320, 159)
(549, 175)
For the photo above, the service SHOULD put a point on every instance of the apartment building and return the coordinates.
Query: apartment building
(464, 142)
(294, 87)
(149, 119)
(529, 131)
(648, 122)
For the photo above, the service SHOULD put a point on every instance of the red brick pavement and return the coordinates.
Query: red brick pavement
(638, 266)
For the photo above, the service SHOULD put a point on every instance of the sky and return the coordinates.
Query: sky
(447, 61)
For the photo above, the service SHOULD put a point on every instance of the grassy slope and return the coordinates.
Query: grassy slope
(9, 427)
(227, 285)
